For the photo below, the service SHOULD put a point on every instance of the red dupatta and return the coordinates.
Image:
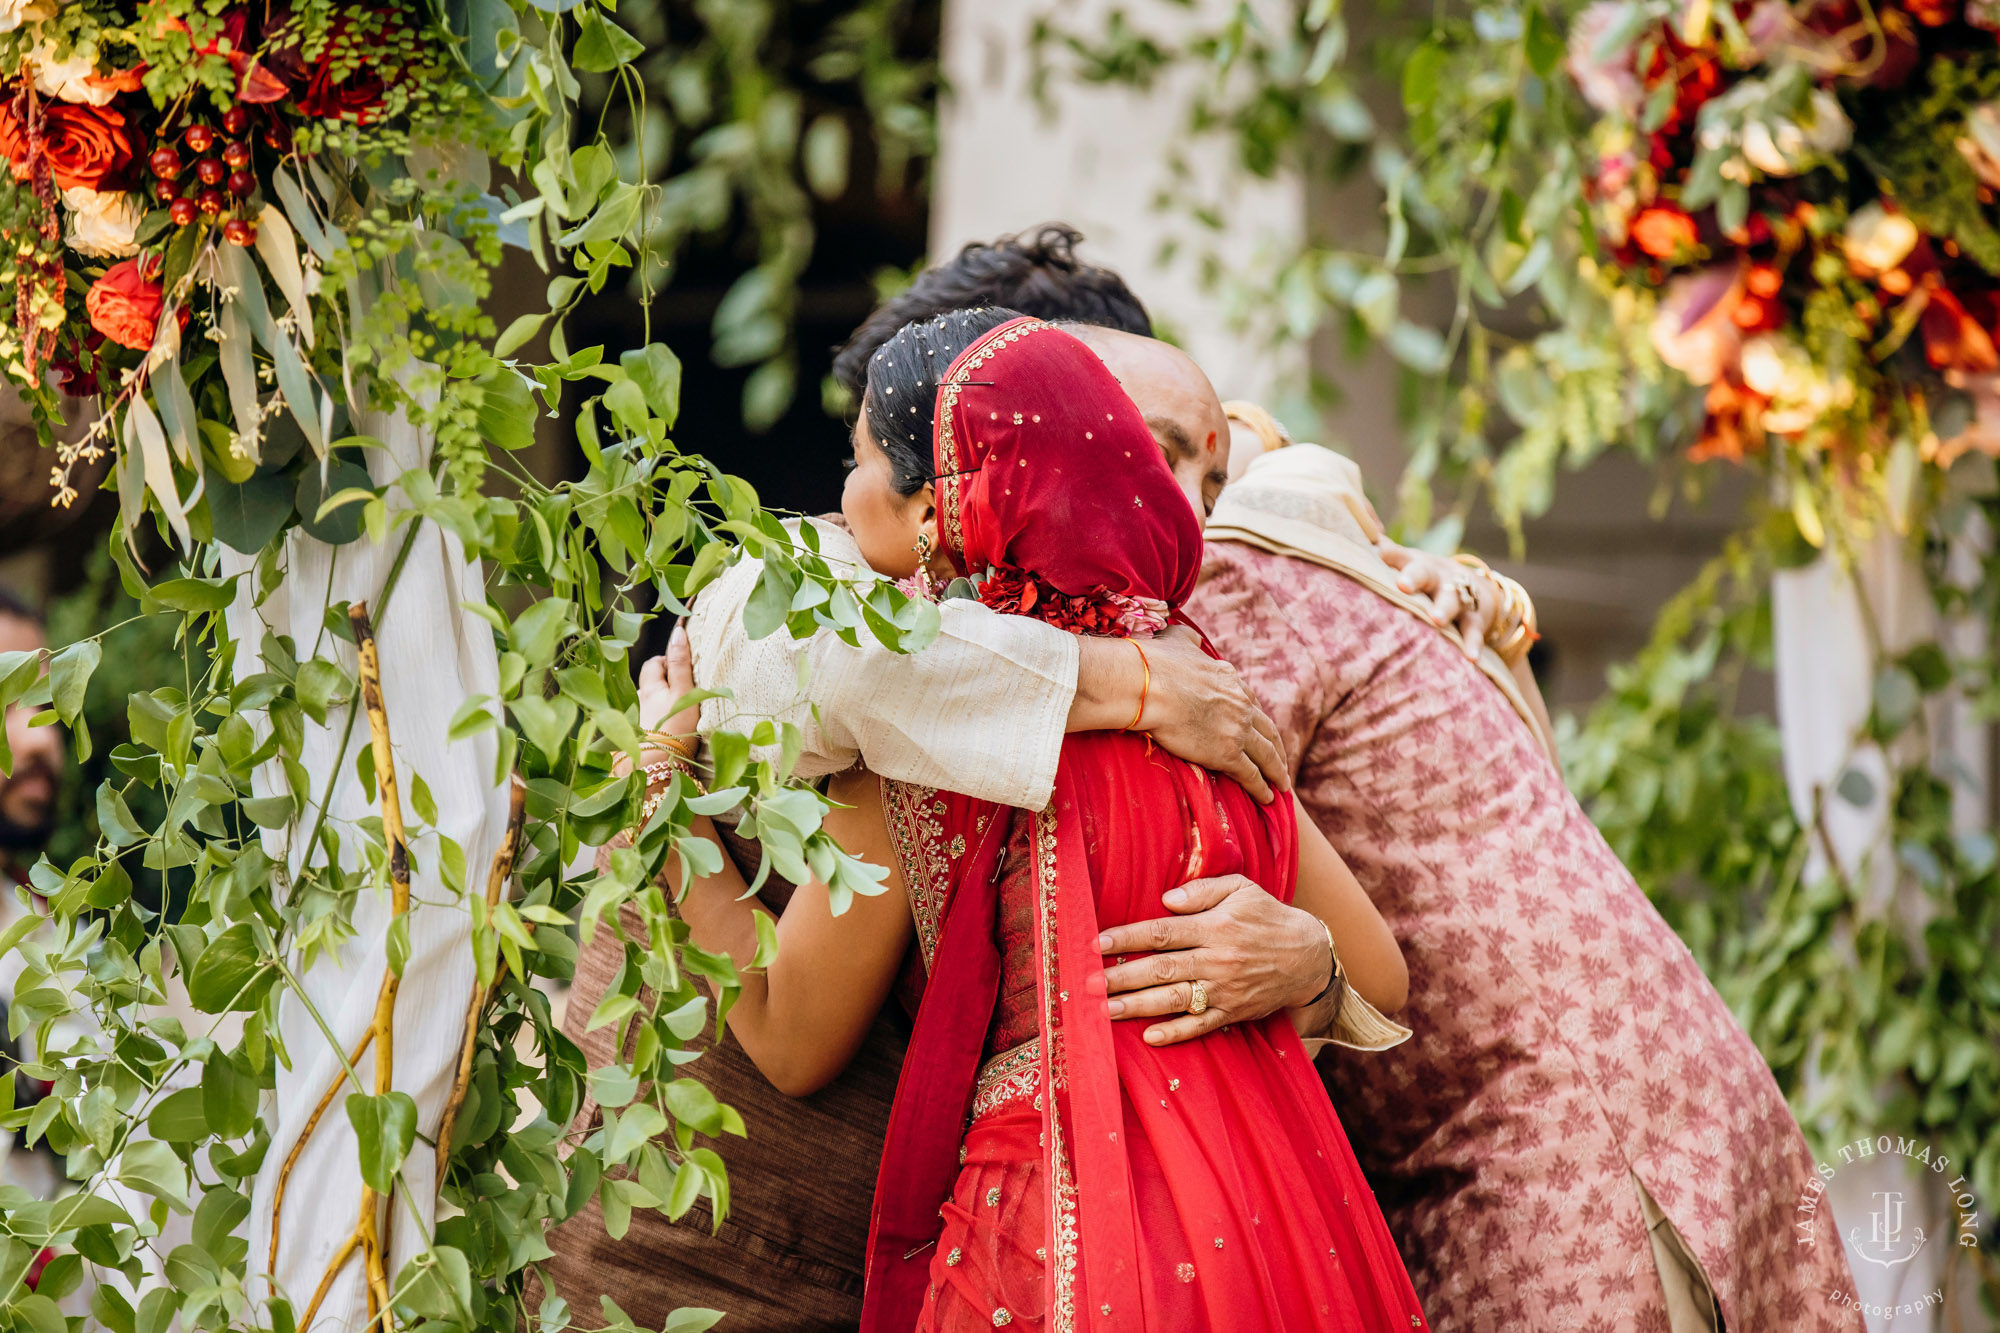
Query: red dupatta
(1045, 466)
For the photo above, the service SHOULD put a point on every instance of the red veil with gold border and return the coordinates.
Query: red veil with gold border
(1204, 1185)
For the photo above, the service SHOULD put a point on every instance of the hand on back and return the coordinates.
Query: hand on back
(1198, 709)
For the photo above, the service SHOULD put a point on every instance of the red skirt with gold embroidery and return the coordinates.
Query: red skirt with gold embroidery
(990, 1266)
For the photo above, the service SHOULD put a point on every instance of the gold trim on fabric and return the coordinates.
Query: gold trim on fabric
(1008, 1077)
(1357, 1026)
(1062, 1184)
(950, 473)
(916, 826)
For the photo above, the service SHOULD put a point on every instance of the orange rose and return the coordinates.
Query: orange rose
(85, 145)
(125, 303)
(1663, 231)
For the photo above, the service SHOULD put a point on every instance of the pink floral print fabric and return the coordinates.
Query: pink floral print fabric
(1565, 1038)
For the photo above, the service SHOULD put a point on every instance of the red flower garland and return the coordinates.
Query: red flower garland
(1021, 592)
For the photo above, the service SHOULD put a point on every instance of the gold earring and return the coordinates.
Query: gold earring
(926, 586)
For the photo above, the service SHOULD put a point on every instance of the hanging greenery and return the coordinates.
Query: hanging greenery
(237, 232)
(1505, 198)
(750, 112)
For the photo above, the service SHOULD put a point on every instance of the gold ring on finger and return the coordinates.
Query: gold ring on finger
(1198, 997)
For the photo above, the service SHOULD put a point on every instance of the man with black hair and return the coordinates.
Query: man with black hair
(1545, 1148)
(1036, 273)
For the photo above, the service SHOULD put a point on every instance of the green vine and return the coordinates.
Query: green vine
(749, 114)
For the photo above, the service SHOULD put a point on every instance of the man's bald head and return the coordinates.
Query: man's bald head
(1180, 406)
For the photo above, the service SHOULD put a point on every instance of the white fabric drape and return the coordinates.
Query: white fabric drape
(1826, 668)
(434, 656)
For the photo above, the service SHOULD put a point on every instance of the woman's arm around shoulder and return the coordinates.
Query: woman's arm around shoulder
(802, 1018)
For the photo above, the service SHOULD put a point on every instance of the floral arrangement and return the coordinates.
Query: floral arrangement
(1809, 189)
(169, 222)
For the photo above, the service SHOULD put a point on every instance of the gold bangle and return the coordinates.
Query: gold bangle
(1510, 636)
(1145, 685)
(1508, 622)
(684, 746)
(658, 774)
(1516, 648)
(1525, 633)
(1528, 617)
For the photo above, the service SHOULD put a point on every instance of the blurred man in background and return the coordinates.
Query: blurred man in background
(27, 818)
(28, 798)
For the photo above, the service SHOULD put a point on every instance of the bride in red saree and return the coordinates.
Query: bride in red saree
(1045, 1166)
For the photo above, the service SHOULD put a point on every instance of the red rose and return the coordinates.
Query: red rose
(125, 303)
(356, 96)
(1663, 231)
(85, 145)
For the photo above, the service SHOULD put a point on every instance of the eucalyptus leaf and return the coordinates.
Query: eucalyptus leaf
(239, 372)
(246, 515)
(339, 526)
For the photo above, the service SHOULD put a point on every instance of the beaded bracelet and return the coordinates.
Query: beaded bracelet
(657, 774)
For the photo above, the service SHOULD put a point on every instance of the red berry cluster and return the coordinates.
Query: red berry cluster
(223, 178)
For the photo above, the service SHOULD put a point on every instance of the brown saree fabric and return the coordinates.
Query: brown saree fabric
(789, 1256)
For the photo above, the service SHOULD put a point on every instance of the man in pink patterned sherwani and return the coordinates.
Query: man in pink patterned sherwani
(1577, 1099)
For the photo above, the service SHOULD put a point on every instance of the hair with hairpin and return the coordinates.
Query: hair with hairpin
(903, 375)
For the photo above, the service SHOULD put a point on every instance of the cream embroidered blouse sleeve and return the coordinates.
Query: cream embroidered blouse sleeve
(980, 711)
